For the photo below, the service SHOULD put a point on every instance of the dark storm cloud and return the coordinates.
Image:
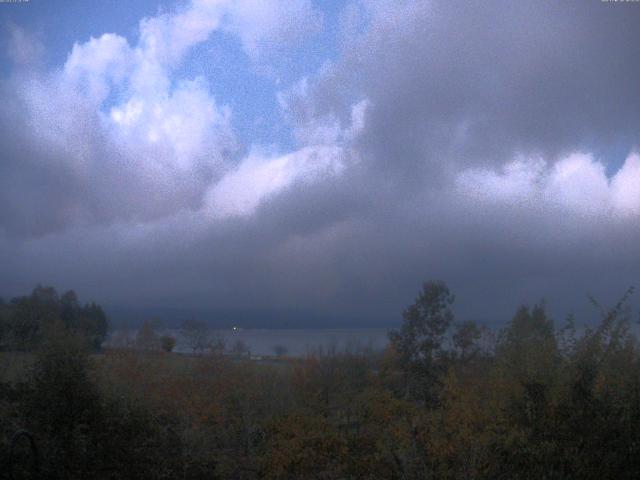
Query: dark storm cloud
(440, 144)
(476, 82)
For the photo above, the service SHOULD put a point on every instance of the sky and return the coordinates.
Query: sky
(310, 163)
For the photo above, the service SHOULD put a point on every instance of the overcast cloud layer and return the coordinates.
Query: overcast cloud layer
(494, 145)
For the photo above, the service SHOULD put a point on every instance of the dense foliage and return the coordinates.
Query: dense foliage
(25, 321)
(446, 400)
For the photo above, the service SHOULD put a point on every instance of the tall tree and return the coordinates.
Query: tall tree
(419, 342)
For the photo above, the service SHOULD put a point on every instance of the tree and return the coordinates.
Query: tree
(27, 318)
(147, 338)
(83, 430)
(305, 447)
(419, 341)
(527, 347)
(195, 334)
(167, 343)
(31, 315)
(216, 343)
(466, 339)
(63, 404)
(70, 310)
(93, 324)
(123, 337)
(4, 324)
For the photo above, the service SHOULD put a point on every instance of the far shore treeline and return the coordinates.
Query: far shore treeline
(445, 400)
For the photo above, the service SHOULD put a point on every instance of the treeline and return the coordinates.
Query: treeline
(446, 400)
(25, 321)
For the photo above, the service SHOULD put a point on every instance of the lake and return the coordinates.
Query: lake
(295, 342)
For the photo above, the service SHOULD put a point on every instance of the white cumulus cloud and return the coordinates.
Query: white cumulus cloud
(576, 185)
(133, 139)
